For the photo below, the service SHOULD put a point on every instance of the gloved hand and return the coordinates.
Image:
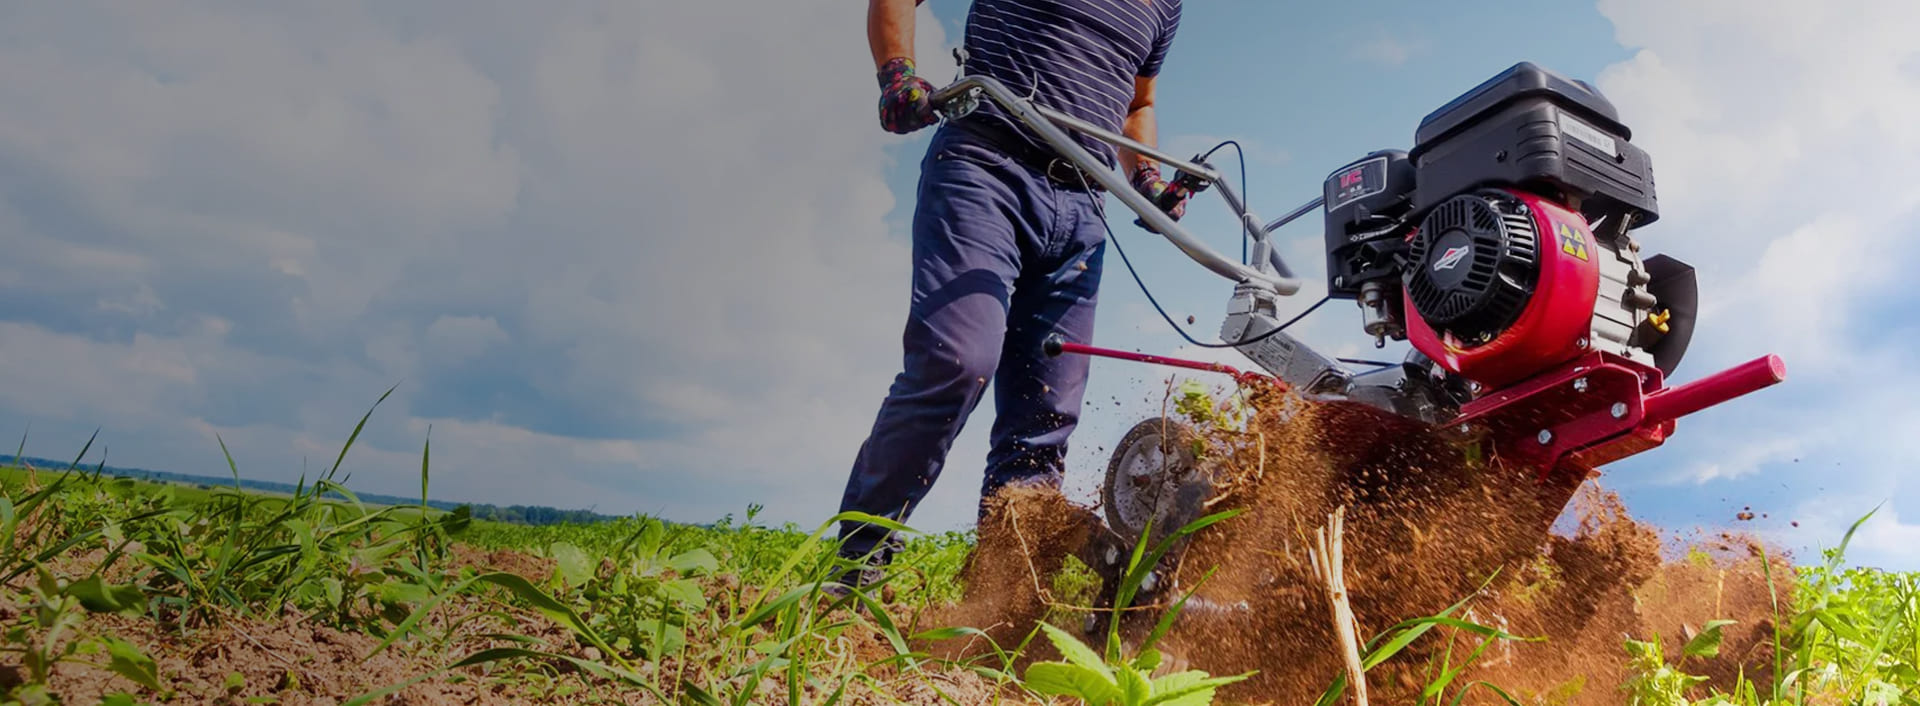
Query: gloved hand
(904, 105)
(1170, 197)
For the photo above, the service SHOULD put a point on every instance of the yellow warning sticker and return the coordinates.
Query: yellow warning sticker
(1571, 241)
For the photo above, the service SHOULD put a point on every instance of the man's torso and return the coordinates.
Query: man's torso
(1076, 56)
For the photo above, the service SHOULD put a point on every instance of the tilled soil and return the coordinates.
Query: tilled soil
(1444, 529)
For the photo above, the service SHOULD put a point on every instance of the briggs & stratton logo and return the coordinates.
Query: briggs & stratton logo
(1451, 258)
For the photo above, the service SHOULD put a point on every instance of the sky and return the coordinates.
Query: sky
(652, 257)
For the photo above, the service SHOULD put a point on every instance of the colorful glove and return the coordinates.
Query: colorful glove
(904, 107)
(1170, 197)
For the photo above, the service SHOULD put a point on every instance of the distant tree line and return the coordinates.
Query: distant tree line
(515, 514)
(536, 515)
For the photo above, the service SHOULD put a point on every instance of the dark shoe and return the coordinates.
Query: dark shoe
(868, 570)
(857, 579)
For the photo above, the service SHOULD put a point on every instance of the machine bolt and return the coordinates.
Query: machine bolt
(1619, 410)
(1546, 437)
(1582, 343)
(1579, 384)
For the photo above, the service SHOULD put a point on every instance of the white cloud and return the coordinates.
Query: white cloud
(455, 338)
(610, 255)
(1782, 151)
(1789, 176)
(1744, 459)
(70, 378)
(1800, 280)
(1883, 540)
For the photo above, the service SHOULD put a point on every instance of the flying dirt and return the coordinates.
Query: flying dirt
(1504, 247)
(1453, 533)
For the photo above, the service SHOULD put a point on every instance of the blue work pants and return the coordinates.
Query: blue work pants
(1002, 258)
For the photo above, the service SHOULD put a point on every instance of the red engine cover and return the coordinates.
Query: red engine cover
(1553, 327)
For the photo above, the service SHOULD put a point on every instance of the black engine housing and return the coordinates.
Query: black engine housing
(1537, 130)
(1526, 128)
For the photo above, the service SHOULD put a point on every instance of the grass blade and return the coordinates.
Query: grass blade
(813, 540)
(83, 450)
(426, 450)
(231, 466)
(356, 431)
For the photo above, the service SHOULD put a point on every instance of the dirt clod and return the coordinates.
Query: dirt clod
(1426, 528)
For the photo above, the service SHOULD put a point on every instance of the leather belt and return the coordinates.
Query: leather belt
(1054, 167)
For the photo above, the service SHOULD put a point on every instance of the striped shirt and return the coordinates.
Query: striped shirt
(1079, 57)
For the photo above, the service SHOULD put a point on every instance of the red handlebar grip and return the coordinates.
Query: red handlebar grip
(1751, 376)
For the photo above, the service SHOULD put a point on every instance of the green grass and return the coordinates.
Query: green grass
(17, 477)
(1851, 636)
(713, 614)
(722, 614)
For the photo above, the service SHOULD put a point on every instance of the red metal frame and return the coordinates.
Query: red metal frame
(1593, 410)
(1058, 347)
(1601, 408)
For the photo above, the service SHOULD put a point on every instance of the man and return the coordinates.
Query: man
(1007, 243)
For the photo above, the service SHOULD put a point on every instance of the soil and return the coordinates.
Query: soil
(1424, 528)
(285, 659)
(483, 560)
(1025, 538)
(293, 659)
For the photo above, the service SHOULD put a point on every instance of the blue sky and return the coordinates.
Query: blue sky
(649, 257)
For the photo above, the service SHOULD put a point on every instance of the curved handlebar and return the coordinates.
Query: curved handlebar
(959, 98)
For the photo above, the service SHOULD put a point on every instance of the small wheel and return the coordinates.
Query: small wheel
(1144, 476)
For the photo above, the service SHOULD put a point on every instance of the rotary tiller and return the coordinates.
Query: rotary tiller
(1501, 246)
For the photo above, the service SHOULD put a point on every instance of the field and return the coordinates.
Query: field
(124, 591)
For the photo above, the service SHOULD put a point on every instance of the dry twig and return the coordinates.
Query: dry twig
(1026, 553)
(1330, 566)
